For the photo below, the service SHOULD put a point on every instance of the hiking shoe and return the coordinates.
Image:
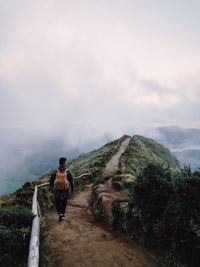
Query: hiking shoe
(60, 217)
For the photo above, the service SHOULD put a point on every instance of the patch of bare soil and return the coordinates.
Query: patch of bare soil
(109, 195)
(79, 242)
(112, 165)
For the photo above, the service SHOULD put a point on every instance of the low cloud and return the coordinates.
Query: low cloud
(100, 68)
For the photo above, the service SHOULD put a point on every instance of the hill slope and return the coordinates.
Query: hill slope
(142, 150)
(95, 161)
(137, 153)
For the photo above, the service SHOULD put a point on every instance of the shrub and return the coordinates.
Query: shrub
(95, 203)
(119, 211)
(186, 220)
(45, 198)
(14, 236)
(164, 211)
(16, 217)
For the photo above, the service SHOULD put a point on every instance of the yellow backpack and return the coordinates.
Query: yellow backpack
(61, 182)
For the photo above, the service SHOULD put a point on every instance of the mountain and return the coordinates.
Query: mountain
(15, 215)
(184, 143)
(178, 138)
(140, 151)
(189, 157)
(143, 195)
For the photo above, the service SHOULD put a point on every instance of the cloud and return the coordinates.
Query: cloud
(85, 72)
(106, 66)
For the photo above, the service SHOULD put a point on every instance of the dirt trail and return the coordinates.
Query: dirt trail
(78, 242)
(112, 165)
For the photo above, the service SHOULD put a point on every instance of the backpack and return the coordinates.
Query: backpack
(61, 182)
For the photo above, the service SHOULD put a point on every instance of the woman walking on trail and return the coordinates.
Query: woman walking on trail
(60, 181)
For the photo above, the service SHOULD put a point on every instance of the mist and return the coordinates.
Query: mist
(80, 74)
(26, 155)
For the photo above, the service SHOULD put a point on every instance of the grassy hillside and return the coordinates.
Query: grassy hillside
(17, 206)
(142, 150)
(15, 223)
(95, 160)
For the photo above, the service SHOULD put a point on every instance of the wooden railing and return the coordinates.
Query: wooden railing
(33, 257)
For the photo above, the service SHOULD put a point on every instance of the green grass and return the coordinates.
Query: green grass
(143, 150)
(16, 221)
(96, 160)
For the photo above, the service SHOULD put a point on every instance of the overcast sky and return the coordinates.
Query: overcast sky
(108, 65)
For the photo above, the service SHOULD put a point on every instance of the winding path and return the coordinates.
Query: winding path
(78, 241)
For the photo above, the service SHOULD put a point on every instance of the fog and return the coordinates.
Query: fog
(81, 73)
(27, 154)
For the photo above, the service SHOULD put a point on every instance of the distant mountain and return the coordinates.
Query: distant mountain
(178, 138)
(189, 157)
(183, 143)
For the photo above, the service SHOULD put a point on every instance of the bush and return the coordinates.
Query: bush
(119, 216)
(45, 198)
(45, 259)
(122, 181)
(95, 203)
(186, 220)
(17, 217)
(14, 236)
(164, 211)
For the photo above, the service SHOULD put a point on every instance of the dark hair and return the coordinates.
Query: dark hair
(62, 161)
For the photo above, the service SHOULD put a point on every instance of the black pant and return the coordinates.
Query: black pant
(61, 198)
(61, 205)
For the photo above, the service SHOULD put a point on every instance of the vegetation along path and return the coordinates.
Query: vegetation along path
(79, 242)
